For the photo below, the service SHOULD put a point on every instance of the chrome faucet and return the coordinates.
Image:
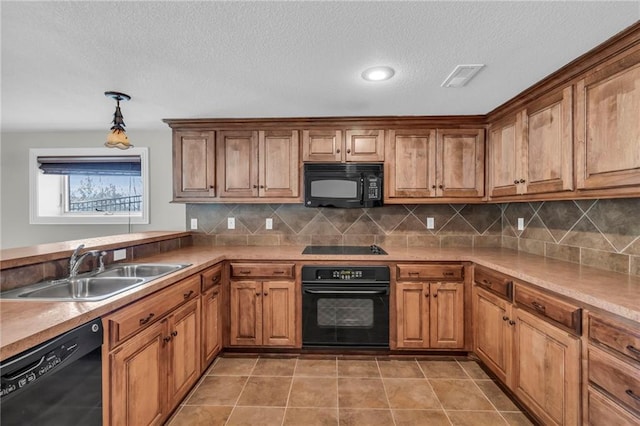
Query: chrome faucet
(76, 260)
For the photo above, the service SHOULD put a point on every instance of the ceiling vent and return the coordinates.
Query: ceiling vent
(461, 75)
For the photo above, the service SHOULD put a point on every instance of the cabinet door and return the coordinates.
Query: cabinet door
(410, 163)
(364, 145)
(504, 156)
(237, 153)
(246, 313)
(546, 370)
(184, 350)
(446, 319)
(322, 146)
(194, 168)
(138, 379)
(460, 163)
(493, 334)
(279, 313)
(279, 164)
(548, 144)
(412, 314)
(608, 125)
(211, 326)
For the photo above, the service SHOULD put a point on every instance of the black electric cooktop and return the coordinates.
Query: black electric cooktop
(373, 249)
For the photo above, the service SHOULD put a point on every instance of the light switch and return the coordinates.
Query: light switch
(520, 224)
(430, 223)
(194, 223)
(268, 223)
(231, 223)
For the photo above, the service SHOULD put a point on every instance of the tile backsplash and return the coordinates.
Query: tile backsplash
(604, 234)
(392, 225)
(601, 233)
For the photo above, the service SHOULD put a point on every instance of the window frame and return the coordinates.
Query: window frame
(84, 218)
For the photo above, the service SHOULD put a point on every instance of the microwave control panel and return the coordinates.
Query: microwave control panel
(373, 186)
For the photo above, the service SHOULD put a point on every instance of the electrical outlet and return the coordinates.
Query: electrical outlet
(194, 223)
(520, 224)
(268, 223)
(119, 254)
(431, 223)
(231, 223)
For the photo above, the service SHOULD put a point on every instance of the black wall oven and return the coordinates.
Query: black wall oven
(345, 306)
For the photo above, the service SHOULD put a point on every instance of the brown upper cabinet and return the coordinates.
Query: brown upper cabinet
(424, 163)
(255, 164)
(531, 152)
(608, 125)
(194, 165)
(329, 146)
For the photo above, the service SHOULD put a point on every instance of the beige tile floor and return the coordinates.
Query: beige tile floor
(344, 391)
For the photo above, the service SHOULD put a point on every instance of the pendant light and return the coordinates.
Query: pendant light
(118, 138)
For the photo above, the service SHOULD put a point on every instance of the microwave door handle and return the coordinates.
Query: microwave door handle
(361, 190)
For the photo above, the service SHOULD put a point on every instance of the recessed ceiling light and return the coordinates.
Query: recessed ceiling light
(461, 75)
(378, 73)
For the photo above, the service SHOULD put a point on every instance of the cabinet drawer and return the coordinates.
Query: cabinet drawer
(622, 339)
(211, 277)
(131, 319)
(617, 378)
(262, 270)
(437, 272)
(603, 411)
(495, 282)
(562, 314)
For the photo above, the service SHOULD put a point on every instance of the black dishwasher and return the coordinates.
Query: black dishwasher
(58, 382)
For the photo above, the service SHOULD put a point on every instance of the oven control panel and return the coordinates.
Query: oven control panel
(338, 273)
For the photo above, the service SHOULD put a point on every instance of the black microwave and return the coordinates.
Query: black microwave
(350, 185)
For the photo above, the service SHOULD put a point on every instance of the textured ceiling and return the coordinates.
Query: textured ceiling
(184, 59)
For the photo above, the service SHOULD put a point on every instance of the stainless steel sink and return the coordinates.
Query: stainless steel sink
(96, 286)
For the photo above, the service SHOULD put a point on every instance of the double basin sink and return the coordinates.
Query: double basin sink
(95, 286)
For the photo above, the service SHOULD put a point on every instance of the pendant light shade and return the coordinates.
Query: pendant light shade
(117, 137)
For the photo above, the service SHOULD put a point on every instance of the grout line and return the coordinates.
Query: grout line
(241, 391)
(386, 395)
(286, 405)
(483, 394)
(435, 394)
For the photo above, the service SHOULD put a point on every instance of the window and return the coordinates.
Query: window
(88, 186)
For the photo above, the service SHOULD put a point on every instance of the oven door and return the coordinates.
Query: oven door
(355, 315)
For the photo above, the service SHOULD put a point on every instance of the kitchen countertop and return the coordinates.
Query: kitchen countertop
(24, 324)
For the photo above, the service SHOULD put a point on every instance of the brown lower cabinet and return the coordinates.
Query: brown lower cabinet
(153, 353)
(263, 313)
(430, 315)
(211, 301)
(538, 361)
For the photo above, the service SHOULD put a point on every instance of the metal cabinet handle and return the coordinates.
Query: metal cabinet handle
(522, 181)
(426, 295)
(539, 307)
(435, 295)
(487, 283)
(261, 186)
(515, 181)
(255, 186)
(174, 333)
(167, 339)
(215, 279)
(258, 294)
(188, 295)
(245, 272)
(338, 151)
(278, 272)
(265, 293)
(632, 395)
(145, 320)
(440, 186)
(633, 350)
(348, 151)
(214, 294)
(512, 322)
(505, 318)
(413, 274)
(433, 187)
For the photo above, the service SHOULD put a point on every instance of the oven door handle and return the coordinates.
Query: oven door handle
(346, 291)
